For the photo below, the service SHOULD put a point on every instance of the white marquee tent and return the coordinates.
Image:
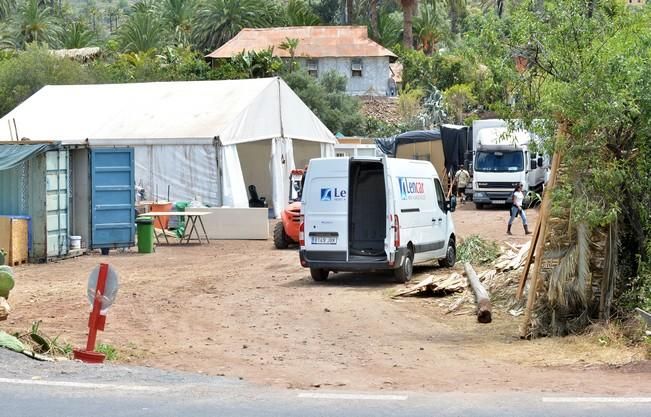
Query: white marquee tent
(188, 136)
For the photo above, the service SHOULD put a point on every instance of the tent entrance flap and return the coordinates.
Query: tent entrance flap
(282, 164)
(233, 187)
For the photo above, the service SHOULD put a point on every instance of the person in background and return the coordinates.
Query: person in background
(517, 209)
(392, 86)
(461, 179)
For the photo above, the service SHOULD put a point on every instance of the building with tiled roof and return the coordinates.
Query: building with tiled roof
(345, 49)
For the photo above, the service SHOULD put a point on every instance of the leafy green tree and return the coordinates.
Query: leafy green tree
(588, 80)
(75, 35)
(458, 99)
(28, 71)
(327, 98)
(141, 32)
(217, 21)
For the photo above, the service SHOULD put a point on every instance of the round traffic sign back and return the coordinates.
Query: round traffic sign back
(110, 291)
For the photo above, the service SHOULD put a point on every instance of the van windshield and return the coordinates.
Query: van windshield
(508, 161)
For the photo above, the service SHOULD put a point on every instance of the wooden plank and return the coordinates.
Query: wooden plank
(544, 217)
(14, 240)
(527, 263)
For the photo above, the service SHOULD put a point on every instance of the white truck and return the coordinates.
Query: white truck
(368, 214)
(501, 160)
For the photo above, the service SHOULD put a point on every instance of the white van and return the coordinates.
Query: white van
(368, 214)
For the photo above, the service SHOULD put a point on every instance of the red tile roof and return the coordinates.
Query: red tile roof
(314, 42)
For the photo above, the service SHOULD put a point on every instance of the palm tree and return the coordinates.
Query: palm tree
(290, 45)
(350, 11)
(373, 17)
(140, 33)
(75, 35)
(408, 8)
(217, 21)
(7, 7)
(35, 23)
(456, 11)
(177, 16)
(299, 13)
(430, 27)
(389, 29)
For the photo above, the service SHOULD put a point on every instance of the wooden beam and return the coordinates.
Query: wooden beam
(484, 307)
(527, 264)
(543, 219)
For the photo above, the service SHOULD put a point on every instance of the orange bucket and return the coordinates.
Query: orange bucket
(162, 222)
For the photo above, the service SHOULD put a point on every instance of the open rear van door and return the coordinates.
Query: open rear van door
(325, 209)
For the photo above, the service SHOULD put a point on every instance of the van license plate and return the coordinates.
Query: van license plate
(498, 201)
(324, 240)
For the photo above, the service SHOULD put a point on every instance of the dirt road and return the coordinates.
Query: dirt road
(244, 309)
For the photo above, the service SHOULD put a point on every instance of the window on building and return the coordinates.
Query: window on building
(356, 68)
(313, 67)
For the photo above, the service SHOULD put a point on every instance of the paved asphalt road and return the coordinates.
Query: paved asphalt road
(70, 389)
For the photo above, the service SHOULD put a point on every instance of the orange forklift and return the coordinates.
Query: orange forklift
(286, 230)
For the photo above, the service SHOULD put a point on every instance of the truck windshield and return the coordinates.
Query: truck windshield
(499, 161)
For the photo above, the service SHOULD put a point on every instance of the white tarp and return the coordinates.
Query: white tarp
(327, 150)
(281, 166)
(190, 172)
(176, 126)
(233, 188)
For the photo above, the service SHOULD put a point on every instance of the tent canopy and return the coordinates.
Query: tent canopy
(165, 113)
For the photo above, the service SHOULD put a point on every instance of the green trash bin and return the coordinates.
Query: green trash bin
(145, 231)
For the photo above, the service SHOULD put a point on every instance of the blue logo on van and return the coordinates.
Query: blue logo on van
(411, 188)
(330, 194)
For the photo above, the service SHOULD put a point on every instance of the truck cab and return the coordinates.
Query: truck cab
(501, 160)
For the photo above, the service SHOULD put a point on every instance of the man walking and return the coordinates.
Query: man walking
(461, 179)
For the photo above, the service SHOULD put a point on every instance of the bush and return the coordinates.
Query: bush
(26, 72)
(477, 250)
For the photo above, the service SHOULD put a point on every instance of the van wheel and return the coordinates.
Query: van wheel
(403, 274)
(450, 256)
(281, 240)
(479, 206)
(319, 274)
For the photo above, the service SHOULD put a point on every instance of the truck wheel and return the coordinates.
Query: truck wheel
(281, 240)
(479, 206)
(403, 274)
(450, 256)
(319, 274)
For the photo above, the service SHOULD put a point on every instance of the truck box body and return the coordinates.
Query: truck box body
(364, 214)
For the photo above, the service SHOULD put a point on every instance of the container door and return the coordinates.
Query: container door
(112, 197)
(57, 202)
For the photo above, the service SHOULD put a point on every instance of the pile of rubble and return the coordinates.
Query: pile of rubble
(500, 280)
(381, 108)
